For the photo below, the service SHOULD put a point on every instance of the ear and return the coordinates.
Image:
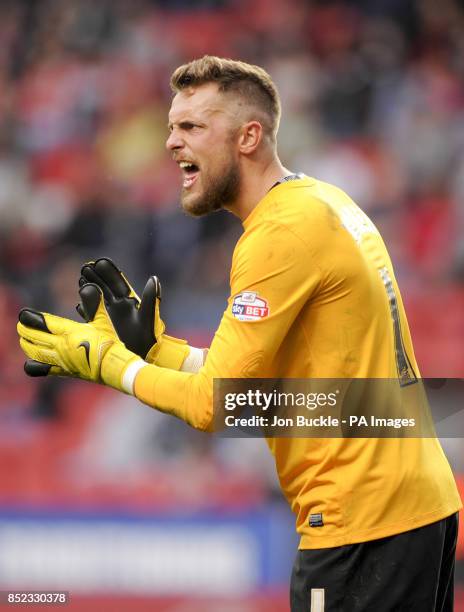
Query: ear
(251, 134)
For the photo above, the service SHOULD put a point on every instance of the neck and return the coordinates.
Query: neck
(257, 178)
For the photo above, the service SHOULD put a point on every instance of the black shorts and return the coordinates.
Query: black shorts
(411, 571)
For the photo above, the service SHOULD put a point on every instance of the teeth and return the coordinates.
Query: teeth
(184, 164)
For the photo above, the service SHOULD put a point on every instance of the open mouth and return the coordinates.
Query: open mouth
(190, 173)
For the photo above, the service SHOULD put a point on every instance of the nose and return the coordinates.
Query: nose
(174, 142)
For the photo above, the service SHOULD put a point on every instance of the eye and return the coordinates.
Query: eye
(187, 126)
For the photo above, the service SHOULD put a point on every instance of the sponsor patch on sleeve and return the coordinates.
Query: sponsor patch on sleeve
(248, 306)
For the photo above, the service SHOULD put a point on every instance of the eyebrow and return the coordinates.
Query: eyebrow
(207, 112)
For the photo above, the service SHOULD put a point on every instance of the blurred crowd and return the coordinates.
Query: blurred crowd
(373, 101)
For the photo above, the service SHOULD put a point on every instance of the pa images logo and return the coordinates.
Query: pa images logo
(247, 306)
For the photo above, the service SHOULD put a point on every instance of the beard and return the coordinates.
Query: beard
(217, 192)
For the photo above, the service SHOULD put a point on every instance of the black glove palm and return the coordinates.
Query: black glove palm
(136, 321)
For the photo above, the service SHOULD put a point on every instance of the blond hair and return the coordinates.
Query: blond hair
(251, 83)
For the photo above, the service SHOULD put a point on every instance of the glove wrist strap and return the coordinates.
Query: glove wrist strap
(119, 368)
(169, 352)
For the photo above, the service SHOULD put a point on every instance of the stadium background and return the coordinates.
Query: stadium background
(126, 508)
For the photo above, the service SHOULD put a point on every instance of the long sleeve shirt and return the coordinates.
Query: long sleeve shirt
(314, 295)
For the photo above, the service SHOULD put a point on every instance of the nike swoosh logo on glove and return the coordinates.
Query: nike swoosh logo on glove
(86, 347)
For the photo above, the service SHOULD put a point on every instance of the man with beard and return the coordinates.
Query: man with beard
(313, 295)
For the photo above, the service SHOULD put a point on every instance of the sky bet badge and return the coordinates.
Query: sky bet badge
(247, 306)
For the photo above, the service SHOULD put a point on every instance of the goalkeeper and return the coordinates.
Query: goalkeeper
(313, 295)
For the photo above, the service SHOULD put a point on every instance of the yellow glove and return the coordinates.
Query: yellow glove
(91, 351)
(137, 321)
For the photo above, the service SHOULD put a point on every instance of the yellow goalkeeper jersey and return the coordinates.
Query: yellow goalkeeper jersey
(313, 295)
